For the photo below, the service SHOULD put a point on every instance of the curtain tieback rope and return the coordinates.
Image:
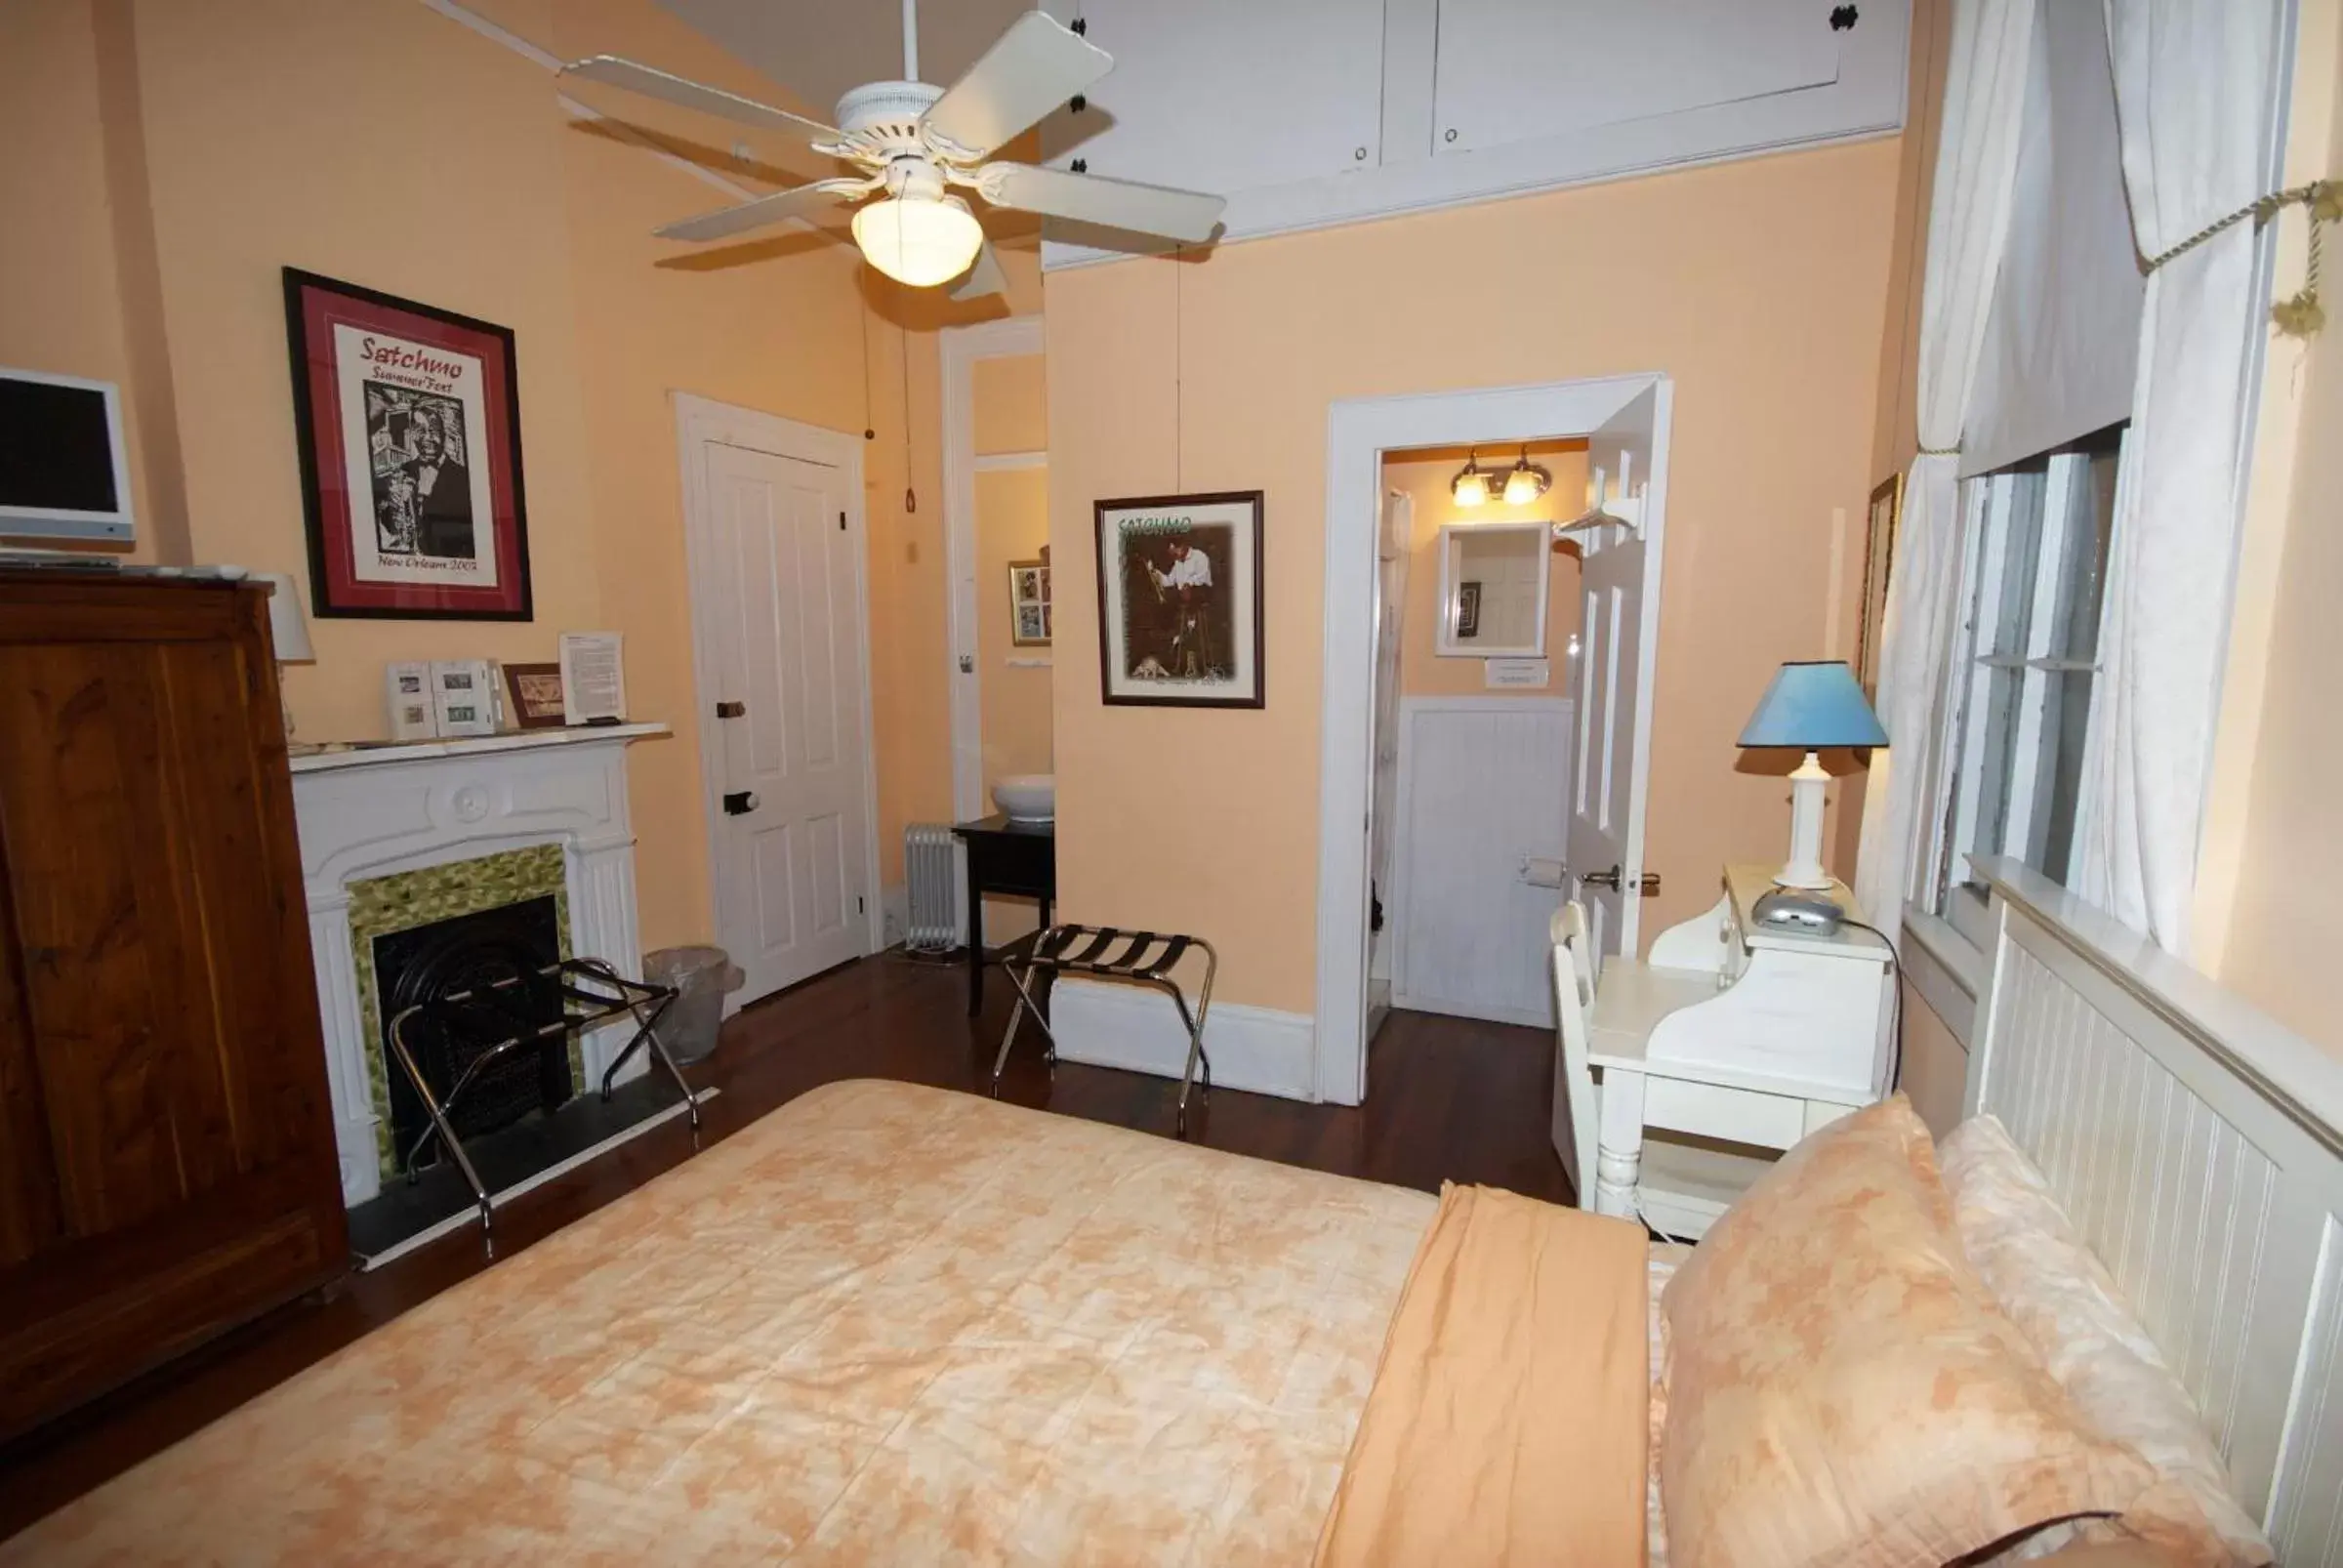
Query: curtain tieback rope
(2301, 315)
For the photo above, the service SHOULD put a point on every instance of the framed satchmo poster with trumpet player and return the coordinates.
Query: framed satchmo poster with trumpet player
(1179, 601)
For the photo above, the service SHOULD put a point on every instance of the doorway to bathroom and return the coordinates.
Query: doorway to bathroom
(1476, 637)
(1002, 609)
(1620, 427)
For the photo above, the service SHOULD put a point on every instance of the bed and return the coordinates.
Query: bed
(897, 1324)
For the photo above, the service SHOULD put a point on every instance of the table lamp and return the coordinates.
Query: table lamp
(1809, 705)
(289, 630)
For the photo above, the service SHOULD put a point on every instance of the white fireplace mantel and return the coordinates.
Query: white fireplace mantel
(375, 810)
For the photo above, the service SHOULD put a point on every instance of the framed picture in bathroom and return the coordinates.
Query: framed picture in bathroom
(1179, 601)
(1029, 604)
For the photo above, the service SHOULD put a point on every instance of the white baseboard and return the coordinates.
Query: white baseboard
(1135, 1027)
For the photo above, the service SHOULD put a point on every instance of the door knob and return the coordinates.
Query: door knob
(740, 802)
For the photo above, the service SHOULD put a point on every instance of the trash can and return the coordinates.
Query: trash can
(701, 975)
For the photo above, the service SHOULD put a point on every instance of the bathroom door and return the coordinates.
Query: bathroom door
(1619, 629)
(784, 638)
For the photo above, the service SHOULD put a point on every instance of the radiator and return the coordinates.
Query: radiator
(931, 884)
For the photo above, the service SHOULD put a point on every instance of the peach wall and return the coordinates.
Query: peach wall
(1423, 672)
(2267, 916)
(1011, 404)
(177, 197)
(1759, 286)
(63, 305)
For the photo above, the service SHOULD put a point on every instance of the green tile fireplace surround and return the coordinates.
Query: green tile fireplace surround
(406, 899)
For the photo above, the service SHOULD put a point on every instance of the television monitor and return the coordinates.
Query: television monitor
(64, 472)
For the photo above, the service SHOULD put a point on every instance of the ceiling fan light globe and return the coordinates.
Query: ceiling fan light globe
(919, 242)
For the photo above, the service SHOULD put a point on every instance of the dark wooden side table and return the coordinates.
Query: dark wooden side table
(1005, 857)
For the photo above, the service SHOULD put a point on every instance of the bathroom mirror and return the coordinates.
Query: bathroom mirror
(1493, 579)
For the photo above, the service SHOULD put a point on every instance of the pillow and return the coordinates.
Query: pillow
(1842, 1390)
(2069, 1308)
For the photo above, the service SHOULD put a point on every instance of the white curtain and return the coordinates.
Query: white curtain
(2196, 87)
(1395, 543)
(1968, 227)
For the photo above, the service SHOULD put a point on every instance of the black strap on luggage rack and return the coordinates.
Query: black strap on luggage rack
(591, 994)
(1053, 952)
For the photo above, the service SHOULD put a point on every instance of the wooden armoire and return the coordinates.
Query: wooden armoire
(167, 1164)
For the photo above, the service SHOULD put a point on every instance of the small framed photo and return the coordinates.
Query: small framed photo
(408, 424)
(408, 689)
(1179, 601)
(1029, 604)
(535, 694)
(465, 702)
(1879, 562)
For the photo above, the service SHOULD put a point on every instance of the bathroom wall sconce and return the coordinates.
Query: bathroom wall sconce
(1523, 483)
(1470, 487)
(1526, 483)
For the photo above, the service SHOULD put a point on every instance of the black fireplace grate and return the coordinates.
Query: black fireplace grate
(477, 953)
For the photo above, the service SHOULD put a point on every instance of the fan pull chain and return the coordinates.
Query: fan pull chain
(911, 497)
(869, 428)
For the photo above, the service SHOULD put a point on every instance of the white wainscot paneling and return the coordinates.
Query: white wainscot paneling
(1481, 793)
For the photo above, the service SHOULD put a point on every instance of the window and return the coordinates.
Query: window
(2018, 698)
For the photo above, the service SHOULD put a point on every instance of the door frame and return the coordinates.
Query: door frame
(1358, 431)
(700, 421)
(958, 348)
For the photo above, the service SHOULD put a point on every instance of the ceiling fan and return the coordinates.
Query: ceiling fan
(914, 141)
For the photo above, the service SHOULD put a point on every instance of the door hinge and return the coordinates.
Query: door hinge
(842, 522)
(857, 906)
(731, 710)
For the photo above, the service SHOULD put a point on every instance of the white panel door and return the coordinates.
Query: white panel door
(1618, 626)
(786, 641)
(1515, 70)
(1481, 794)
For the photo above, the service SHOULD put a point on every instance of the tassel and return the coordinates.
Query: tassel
(2301, 316)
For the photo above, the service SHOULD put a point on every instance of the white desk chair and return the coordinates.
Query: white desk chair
(1576, 1118)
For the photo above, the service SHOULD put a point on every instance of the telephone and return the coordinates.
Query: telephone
(1800, 914)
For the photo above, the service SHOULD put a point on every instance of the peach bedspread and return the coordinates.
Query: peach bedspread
(884, 1324)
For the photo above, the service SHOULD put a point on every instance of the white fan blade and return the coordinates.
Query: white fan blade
(612, 72)
(1030, 69)
(984, 279)
(1182, 214)
(780, 207)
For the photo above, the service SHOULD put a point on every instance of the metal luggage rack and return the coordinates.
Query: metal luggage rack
(1053, 950)
(583, 1008)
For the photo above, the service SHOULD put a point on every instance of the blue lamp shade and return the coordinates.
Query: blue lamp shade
(1813, 706)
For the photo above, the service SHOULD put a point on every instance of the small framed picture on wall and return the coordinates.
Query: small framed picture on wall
(1878, 562)
(1179, 601)
(1029, 604)
(408, 423)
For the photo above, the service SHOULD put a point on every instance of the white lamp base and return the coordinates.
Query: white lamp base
(1805, 866)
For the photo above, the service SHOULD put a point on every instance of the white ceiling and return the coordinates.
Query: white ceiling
(818, 49)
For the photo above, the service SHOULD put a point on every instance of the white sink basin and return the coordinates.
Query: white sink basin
(1027, 797)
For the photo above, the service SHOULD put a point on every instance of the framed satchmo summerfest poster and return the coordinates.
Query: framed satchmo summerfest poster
(409, 424)
(1179, 601)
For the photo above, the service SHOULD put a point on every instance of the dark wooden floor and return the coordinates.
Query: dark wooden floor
(1450, 1100)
